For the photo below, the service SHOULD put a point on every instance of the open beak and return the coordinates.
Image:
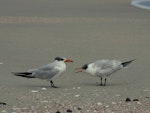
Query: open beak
(68, 60)
(78, 70)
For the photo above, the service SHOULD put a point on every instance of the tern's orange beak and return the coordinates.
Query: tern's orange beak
(78, 70)
(68, 60)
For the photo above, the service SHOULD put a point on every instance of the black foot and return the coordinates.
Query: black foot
(52, 84)
(101, 84)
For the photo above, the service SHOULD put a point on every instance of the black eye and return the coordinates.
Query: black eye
(59, 59)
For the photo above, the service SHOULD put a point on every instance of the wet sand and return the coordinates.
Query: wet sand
(34, 33)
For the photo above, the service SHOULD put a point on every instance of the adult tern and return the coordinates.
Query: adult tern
(103, 68)
(48, 72)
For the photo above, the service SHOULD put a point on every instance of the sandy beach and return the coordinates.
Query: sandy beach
(33, 33)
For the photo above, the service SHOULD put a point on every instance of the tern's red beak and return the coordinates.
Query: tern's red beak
(78, 70)
(68, 60)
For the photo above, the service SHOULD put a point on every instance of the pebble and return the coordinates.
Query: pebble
(146, 90)
(78, 87)
(99, 104)
(77, 95)
(135, 99)
(35, 91)
(3, 103)
(69, 110)
(128, 99)
(118, 95)
(58, 112)
(107, 106)
(44, 88)
(113, 103)
(4, 111)
(44, 101)
(95, 111)
(139, 103)
(79, 108)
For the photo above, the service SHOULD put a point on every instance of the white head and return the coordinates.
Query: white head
(87, 68)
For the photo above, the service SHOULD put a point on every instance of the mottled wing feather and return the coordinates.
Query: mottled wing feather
(103, 64)
(107, 67)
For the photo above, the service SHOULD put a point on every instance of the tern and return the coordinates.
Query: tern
(103, 68)
(47, 72)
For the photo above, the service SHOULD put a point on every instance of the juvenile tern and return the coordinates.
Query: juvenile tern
(103, 68)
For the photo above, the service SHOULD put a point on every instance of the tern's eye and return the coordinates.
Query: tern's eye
(59, 59)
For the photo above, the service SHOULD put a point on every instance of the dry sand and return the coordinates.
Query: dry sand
(33, 33)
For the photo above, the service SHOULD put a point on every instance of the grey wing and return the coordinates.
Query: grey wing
(107, 67)
(103, 64)
(46, 72)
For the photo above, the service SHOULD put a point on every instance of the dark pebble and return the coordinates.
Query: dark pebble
(69, 110)
(128, 99)
(3, 103)
(58, 112)
(79, 108)
(135, 99)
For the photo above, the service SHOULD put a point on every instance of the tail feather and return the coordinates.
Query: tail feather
(125, 64)
(23, 74)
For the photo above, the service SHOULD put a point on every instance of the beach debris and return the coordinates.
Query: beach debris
(58, 112)
(128, 99)
(1, 62)
(3, 103)
(69, 110)
(77, 95)
(135, 99)
(35, 91)
(44, 88)
(139, 103)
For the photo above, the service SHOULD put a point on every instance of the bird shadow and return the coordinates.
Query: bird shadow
(37, 86)
(98, 84)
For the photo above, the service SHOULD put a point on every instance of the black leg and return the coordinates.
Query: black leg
(105, 82)
(52, 84)
(101, 82)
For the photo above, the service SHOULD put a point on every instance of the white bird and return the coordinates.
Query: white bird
(103, 68)
(47, 72)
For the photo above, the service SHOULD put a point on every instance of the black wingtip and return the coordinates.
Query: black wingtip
(124, 64)
(23, 74)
